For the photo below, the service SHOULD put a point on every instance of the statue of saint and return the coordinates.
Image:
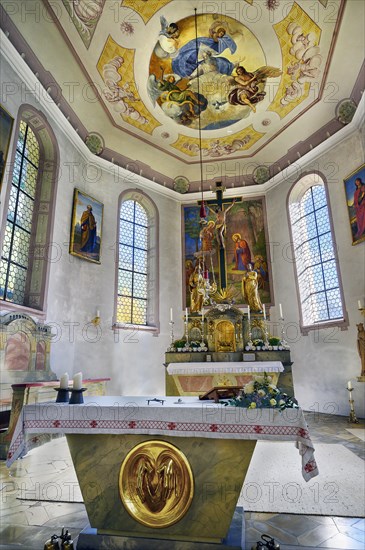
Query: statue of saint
(250, 289)
(361, 346)
(197, 289)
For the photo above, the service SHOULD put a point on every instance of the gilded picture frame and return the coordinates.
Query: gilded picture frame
(246, 223)
(86, 227)
(355, 199)
(6, 128)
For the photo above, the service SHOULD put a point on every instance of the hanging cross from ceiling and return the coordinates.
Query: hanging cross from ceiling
(221, 212)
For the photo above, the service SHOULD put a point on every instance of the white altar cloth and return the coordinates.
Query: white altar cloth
(187, 418)
(225, 367)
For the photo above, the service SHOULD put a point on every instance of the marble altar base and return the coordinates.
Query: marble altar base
(219, 467)
(90, 539)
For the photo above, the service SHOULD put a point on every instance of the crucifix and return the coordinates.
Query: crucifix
(218, 205)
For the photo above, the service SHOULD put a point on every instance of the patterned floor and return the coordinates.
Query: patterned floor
(28, 524)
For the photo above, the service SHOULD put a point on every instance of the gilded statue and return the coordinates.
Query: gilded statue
(250, 289)
(197, 290)
(361, 346)
(207, 235)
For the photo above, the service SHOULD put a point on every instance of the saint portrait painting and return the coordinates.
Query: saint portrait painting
(86, 226)
(355, 197)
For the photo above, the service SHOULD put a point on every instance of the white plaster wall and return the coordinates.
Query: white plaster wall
(325, 359)
(133, 360)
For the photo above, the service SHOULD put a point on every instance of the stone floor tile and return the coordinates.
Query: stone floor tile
(293, 524)
(279, 535)
(342, 542)
(360, 524)
(318, 535)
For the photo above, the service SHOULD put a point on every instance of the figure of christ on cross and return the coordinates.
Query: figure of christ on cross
(220, 227)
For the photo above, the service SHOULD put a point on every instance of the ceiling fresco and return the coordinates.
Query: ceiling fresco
(257, 71)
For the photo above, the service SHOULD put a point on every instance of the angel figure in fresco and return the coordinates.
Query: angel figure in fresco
(250, 89)
(187, 58)
(167, 42)
(177, 102)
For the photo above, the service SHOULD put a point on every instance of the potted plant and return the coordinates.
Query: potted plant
(274, 342)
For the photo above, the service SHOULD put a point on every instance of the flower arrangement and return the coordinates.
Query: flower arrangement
(261, 393)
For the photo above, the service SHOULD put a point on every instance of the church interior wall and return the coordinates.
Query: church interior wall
(323, 360)
(327, 358)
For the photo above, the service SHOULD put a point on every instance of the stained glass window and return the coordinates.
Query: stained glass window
(132, 265)
(15, 255)
(315, 258)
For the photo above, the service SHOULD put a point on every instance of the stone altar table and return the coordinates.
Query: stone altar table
(162, 473)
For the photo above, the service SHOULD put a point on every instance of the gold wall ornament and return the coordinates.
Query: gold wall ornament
(156, 483)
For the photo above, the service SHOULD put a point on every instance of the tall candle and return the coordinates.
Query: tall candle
(98, 313)
(359, 304)
(186, 314)
(281, 311)
(349, 386)
(64, 381)
(264, 310)
(248, 313)
(171, 319)
(77, 381)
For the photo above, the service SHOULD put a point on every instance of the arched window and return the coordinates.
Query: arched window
(30, 202)
(137, 277)
(317, 270)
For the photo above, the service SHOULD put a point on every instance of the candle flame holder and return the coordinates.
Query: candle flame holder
(172, 337)
(352, 417)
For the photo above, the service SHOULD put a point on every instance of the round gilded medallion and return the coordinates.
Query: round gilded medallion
(156, 483)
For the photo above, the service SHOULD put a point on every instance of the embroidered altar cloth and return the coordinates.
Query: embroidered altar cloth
(186, 417)
(225, 367)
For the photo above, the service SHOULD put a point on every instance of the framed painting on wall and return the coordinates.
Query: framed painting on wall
(6, 125)
(355, 197)
(246, 242)
(86, 225)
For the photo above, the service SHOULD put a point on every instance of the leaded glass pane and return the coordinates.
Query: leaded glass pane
(140, 260)
(314, 255)
(330, 274)
(307, 203)
(32, 148)
(16, 284)
(127, 211)
(20, 250)
(16, 169)
(21, 136)
(7, 240)
(319, 307)
(139, 312)
(323, 222)
(326, 245)
(126, 232)
(12, 203)
(124, 309)
(3, 272)
(141, 237)
(140, 285)
(125, 281)
(25, 212)
(28, 180)
(141, 215)
(315, 276)
(319, 196)
(125, 257)
(334, 303)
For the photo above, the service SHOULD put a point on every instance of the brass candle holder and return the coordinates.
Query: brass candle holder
(352, 417)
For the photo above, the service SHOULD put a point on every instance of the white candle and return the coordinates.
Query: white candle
(186, 314)
(98, 312)
(248, 313)
(171, 318)
(359, 305)
(264, 310)
(349, 386)
(77, 381)
(64, 381)
(280, 311)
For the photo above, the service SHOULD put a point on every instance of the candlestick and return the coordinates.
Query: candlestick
(186, 327)
(352, 415)
(281, 312)
(64, 381)
(171, 323)
(77, 381)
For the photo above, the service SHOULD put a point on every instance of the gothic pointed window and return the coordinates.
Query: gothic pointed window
(136, 296)
(316, 264)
